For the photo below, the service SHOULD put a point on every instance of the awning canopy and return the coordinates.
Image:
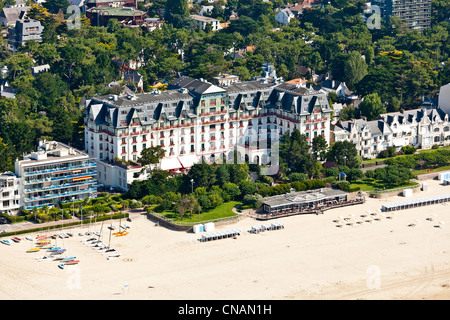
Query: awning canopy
(81, 178)
(170, 164)
(188, 161)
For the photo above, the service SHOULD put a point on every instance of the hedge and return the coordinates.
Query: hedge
(69, 224)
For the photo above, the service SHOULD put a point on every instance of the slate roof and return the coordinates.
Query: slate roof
(384, 123)
(184, 94)
(195, 86)
(12, 14)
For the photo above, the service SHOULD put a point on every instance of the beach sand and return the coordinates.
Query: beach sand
(311, 258)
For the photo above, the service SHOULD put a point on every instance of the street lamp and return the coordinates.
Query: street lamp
(73, 206)
(192, 185)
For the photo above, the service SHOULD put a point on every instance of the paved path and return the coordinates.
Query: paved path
(31, 225)
(373, 167)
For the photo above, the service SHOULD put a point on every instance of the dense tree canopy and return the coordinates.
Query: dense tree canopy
(398, 64)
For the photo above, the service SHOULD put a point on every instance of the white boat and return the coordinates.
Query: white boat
(114, 255)
(44, 258)
(96, 244)
(110, 251)
(29, 238)
(58, 258)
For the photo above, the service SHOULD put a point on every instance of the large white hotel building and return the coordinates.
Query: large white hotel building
(195, 120)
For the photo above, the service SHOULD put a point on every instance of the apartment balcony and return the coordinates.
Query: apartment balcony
(69, 167)
(51, 196)
(61, 186)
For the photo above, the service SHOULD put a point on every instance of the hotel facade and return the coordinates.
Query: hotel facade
(195, 120)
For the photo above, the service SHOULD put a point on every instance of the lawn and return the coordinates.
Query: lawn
(222, 211)
(442, 168)
(374, 185)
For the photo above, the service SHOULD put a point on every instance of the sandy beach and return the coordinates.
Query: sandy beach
(311, 258)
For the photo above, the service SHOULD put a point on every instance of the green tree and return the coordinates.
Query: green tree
(343, 153)
(203, 175)
(231, 189)
(371, 107)
(319, 147)
(151, 155)
(54, 6)
(355, 68)
(176, 12)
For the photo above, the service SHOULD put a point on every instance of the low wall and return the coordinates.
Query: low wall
(394, 192)
(187, 227)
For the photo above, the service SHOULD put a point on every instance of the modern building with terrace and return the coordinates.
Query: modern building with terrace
(55, 173)
(9, 192)
(304, 202)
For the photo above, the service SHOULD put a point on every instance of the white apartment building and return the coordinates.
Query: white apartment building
(55, 173)
(420, 128)
(202, 21)
(9, 192)
(195, 120)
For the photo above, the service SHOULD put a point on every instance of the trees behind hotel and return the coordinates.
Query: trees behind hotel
(344, 153)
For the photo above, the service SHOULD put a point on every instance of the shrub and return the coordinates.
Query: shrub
(343, 185)
(298, 185)
(332, 172)
(254, 200)
(370, 174)
(297, 176)
(383, 154)
(314, 184)
(135, 204)
(266, 179)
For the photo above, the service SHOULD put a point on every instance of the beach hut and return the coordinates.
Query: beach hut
(199, 228)
(209, 226)
(424, 186)
(255, 229)
(277, 225)
(407, 192)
